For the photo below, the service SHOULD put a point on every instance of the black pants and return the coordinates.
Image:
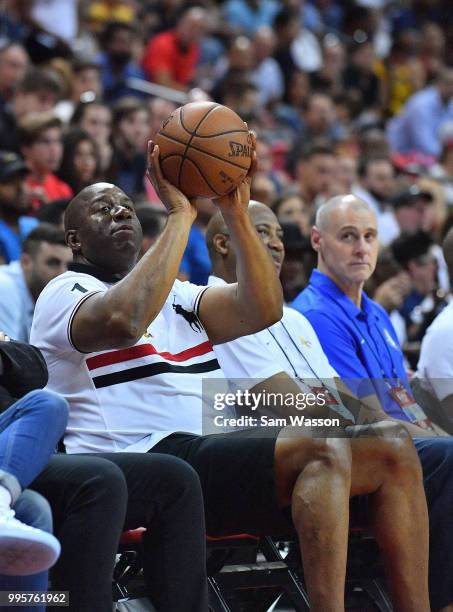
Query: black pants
(95, 497)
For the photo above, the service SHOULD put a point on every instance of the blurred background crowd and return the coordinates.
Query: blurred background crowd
(352, 96)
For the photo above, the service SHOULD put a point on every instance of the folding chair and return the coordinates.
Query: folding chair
(248, 573)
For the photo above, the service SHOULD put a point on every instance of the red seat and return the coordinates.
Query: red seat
(132, 537)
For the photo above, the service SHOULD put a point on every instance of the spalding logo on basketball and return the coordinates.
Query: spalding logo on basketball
(205, 149)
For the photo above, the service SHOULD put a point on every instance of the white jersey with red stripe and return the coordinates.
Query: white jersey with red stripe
(126, 399)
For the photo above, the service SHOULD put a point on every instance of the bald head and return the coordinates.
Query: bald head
(345, 238)
(337, 206)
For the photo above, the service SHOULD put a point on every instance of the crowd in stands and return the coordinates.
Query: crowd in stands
(348, 99)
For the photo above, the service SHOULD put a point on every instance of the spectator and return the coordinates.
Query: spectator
(40, 137)
(287, 358)
(131, 120)
(81, 164)
(235, 66)
(152, 222)
(372, 141)
(243, 97)
(297, 264)
(38, 92)
(263, 188)
(171, 57)
(319, 119)
(96, 119)
(291, 208)
(401, 74)
(160, 109)
(14, 206)
(314, 170)
(376, 187)
(85, 84)
(266, 73)
(289, 113)
(297, 47)
(13, 65)
(328, 79)
(433, 46)
(360, 343)
(390, 293)
(416, 128)
(346, 172)
(414, 253)
(269, 162)
(359, 77)
(412, 210)
(435, 363)
(44, 256)
(86, 78)
(116, 62)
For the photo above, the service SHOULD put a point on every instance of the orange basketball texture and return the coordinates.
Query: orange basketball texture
(205, 149)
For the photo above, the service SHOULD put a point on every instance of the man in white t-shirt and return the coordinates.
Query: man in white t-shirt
(287, 357)
(124, 343)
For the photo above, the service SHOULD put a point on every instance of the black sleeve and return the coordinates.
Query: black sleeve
(23, 368)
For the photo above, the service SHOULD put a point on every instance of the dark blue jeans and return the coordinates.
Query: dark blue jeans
(29, 432)
(33, 509)
(436, 457)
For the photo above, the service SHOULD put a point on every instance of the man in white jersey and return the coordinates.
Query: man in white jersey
(287, 359)
(124, 343)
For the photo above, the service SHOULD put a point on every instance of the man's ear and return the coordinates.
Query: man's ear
(72, 240)
(315, 238)
(221, 245)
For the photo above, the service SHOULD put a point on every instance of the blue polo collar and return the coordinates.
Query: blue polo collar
(326, 286)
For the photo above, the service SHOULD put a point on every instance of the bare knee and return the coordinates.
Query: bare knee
(397, 450)
(332, 455)
(312, 458)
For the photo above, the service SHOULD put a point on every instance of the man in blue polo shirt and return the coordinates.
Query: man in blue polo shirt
(361, 345)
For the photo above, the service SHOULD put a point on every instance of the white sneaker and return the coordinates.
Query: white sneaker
(25, 550)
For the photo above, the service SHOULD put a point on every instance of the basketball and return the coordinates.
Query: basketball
(205, 149)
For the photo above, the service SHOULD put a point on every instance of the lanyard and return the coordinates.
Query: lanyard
(298, 350)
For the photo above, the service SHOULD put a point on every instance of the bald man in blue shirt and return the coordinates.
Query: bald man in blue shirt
(361, 345)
